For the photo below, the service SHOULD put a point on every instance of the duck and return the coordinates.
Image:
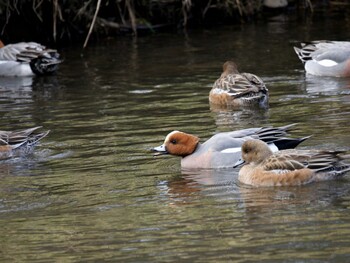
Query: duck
(20, 142)
(325, 58)
(289, 167)
(27, 59)
(223, 149)
(238, 89)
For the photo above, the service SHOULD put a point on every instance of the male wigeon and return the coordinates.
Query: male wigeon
(27, 59)
(17, 143)
(287, 167)
(223, 149)
(325, 58)
(238, 89)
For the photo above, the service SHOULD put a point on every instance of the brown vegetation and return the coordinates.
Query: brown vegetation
(62, 21)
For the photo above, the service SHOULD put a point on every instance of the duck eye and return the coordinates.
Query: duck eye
(173, 141)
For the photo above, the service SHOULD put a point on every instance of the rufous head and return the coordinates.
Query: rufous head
(178, 143)
(1, 44)
(255, 151)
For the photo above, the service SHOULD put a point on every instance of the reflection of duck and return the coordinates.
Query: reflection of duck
(325, 58)
(17, 143)
(288, 167)
(223, 149)
(196, 184)
(326, 85)
(257, 202)
(238, 89)
(10, 82)
(27, 59)
(225, 116)
(30, 88)
(180, 189)
(183, 189)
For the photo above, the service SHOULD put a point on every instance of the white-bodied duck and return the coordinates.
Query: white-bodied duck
(223, 149)
(27, 59)
(325, 58)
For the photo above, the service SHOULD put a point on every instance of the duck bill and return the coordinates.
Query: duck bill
(239, 163)
(160, 150)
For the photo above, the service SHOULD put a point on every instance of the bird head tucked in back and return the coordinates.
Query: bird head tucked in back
(229, 67)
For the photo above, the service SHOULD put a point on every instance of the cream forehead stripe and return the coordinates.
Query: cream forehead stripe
(167, 138)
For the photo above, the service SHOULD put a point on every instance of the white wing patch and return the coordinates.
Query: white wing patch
(231, 150)
(327, 63)
(273, 147)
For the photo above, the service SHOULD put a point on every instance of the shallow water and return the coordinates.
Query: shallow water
(92, 191)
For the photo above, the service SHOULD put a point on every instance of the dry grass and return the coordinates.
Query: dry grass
(98, 17)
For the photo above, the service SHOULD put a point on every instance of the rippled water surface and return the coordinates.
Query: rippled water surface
(92, 191)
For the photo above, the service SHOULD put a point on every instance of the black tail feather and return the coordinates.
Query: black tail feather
(288, 143)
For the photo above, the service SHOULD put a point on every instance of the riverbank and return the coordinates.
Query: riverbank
(57, 23)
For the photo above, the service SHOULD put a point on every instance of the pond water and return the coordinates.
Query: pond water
(93, 191)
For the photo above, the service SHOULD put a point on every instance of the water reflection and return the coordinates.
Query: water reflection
(15, 82)
(93, 192)
(184, 188)
(223, 184)
(228, 118)
(269, 198)
(16, 90)
(326, 85)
